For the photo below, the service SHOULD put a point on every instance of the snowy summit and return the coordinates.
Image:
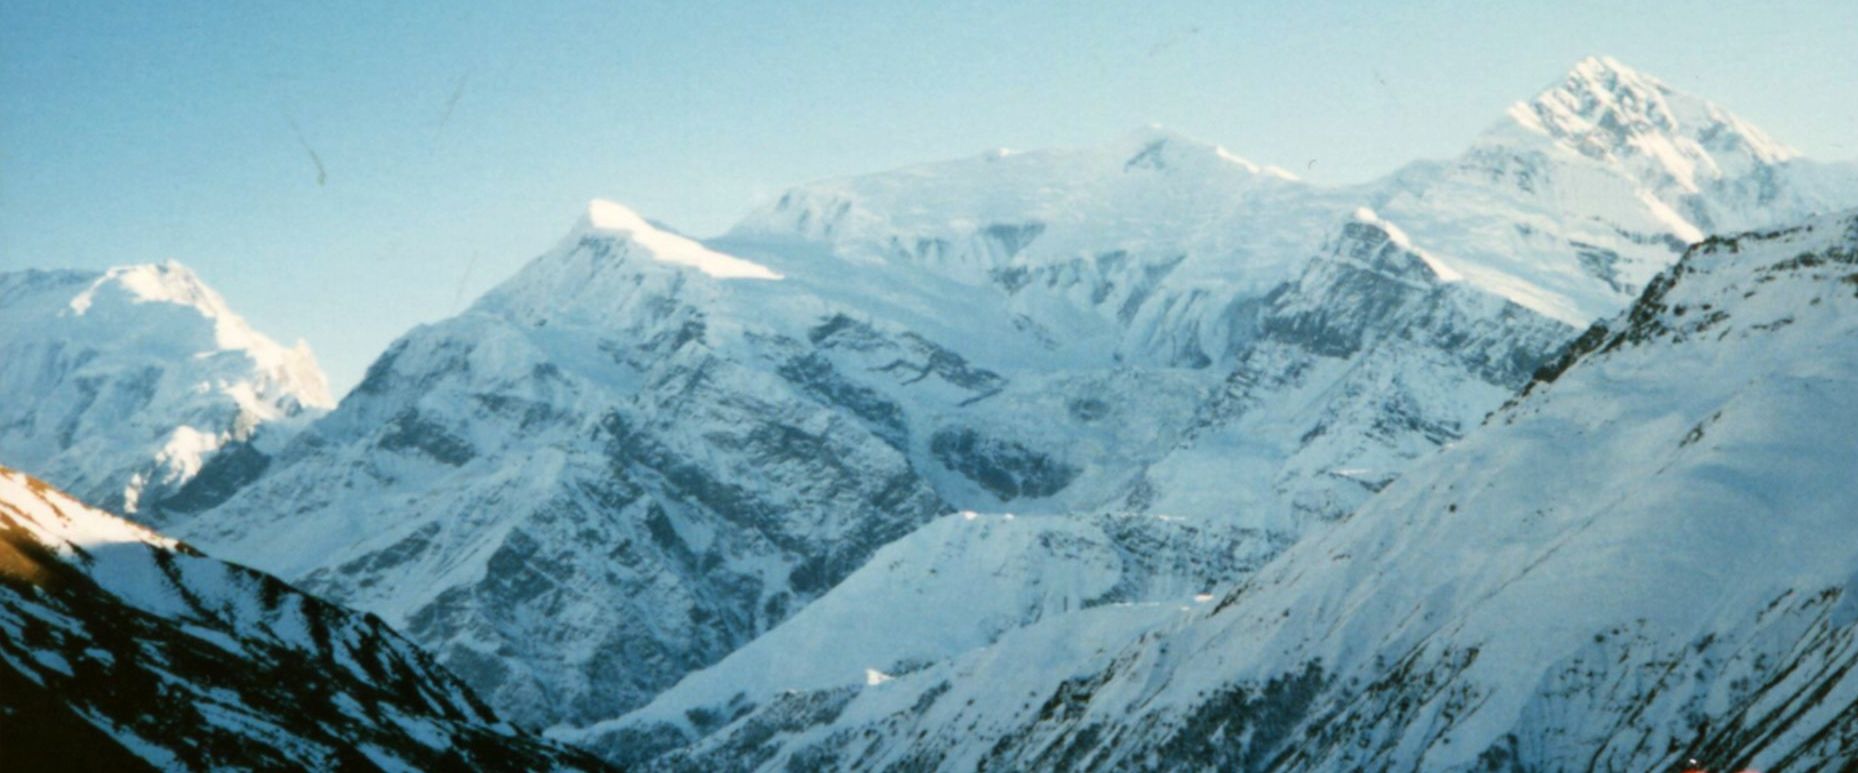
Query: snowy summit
(121, 385)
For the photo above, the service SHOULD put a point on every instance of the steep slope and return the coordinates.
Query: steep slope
(1631, 565)
(590, 483)
(957, 584)
(123, 648)
(119, 386)
(1367, 361)
(1375, 355)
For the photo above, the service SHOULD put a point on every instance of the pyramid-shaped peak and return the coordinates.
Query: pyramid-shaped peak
(607, 215)
(1601, 87)
(1605, 109)
(165, 282)
(1602, 66)
(665, 245)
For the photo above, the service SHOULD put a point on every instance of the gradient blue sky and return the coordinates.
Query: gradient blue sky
(460, 142)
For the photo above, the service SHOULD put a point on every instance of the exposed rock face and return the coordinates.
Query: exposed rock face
(122, 648)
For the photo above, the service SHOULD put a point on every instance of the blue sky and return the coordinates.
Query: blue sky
(456, 143)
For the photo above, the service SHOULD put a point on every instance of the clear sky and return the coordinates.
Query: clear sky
(342, 171)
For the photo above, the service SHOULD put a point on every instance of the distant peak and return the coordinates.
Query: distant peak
(134, 297)
(1154, 135)
(165, 282)
(1154, 132)
(1601, 64)
(667, 246)
(1603, 83)
(1156, 147)
(1604, 79)
(612, 216)
(1606, 110)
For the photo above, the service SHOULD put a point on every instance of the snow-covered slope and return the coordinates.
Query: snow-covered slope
(957, 584)
(123, 650)
(713, 449)
(605, 474)
(119, 386)
(1372, 357)
(1639, 561)
(642, 452)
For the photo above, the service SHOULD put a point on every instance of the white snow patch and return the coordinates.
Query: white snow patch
(671, 248)
(1444, 272)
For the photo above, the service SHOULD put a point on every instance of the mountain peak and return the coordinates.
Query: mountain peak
(120, 295)
(1604, 109)
(1154, 132)
(1157, 147)
(604, 215)
(1603, 66)
(1600, 96)
(667, 246)
(165, 282)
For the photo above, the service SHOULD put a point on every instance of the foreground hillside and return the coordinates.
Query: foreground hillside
(123, 650)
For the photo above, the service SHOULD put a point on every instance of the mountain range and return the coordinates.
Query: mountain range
(1142, 454)
(1625, 567)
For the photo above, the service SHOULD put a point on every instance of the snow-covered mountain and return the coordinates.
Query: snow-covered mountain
(1578, 196)
(124, 650)
(120, 385)
(1635, 562)
(1152, 248)
(1711, 168)
(603, 475)
(643, 452)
